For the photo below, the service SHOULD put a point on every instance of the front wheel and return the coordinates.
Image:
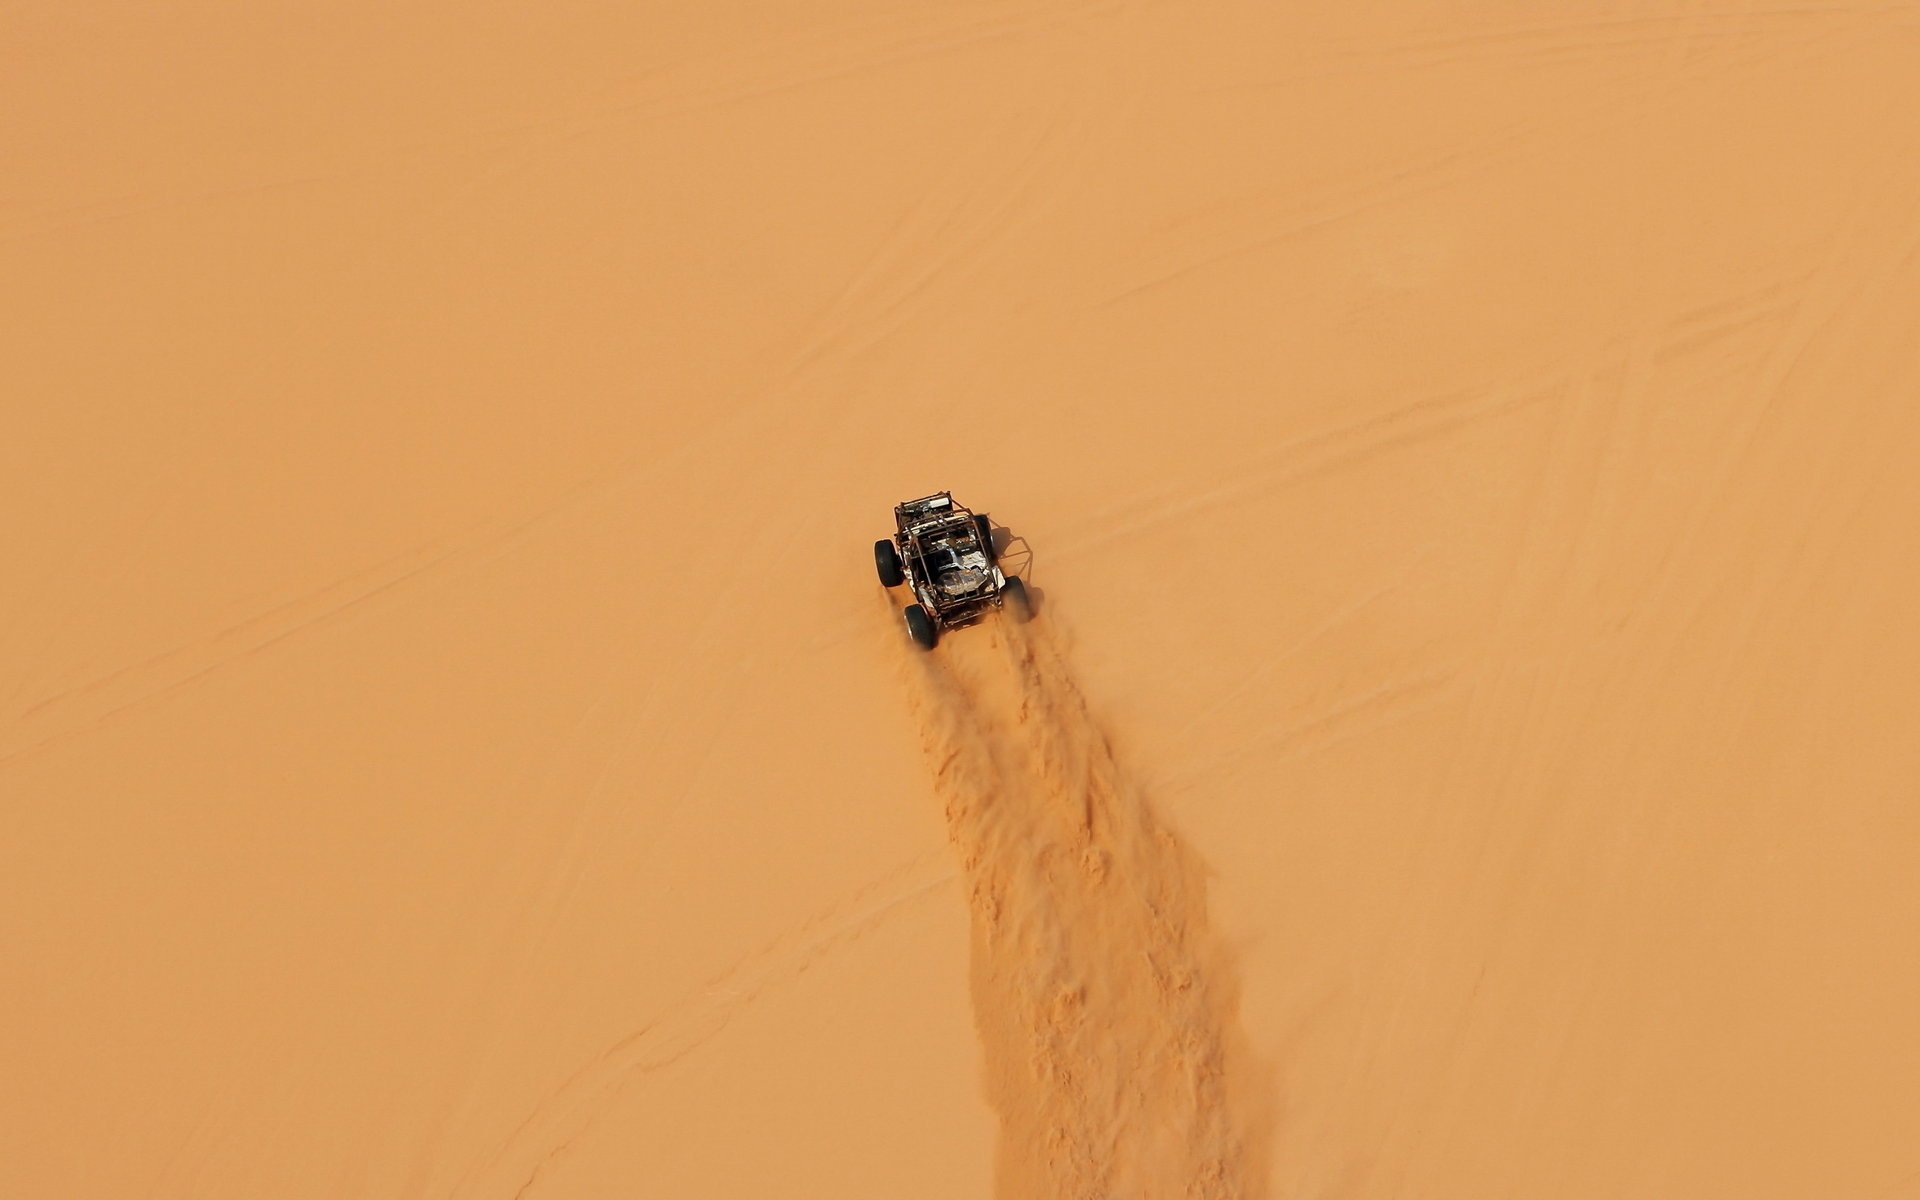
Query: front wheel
(921, 627)
(886, 560)
(1013, 598)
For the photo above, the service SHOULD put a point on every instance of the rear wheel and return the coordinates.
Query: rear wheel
(1013, 598)
(886, 560)
(986, 537)
(921, 626)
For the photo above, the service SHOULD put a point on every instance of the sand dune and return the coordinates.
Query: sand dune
(452, 746)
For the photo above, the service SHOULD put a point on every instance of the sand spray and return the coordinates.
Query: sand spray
(1104, 1004)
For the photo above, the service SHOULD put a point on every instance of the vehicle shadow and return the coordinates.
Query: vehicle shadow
(1016, 558)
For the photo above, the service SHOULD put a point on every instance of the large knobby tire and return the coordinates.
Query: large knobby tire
(886, 560)
(1014, 600)
(921, 627)
(986, 537)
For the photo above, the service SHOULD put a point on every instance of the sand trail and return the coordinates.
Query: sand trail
(1104, 1005)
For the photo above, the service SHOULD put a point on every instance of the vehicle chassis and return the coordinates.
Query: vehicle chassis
(944, 552)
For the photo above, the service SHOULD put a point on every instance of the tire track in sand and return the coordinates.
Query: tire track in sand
(552, 1129)
(1104, 1004)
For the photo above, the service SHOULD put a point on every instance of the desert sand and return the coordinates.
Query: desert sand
(453, 746)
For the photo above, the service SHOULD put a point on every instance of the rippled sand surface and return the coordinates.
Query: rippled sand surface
(452, 744)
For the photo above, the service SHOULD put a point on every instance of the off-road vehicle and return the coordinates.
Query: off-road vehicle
(944, 553)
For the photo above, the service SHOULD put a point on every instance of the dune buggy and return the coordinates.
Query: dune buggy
(944, 553)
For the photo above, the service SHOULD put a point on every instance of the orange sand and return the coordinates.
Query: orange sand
(450, 745)
(1105, 1013)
